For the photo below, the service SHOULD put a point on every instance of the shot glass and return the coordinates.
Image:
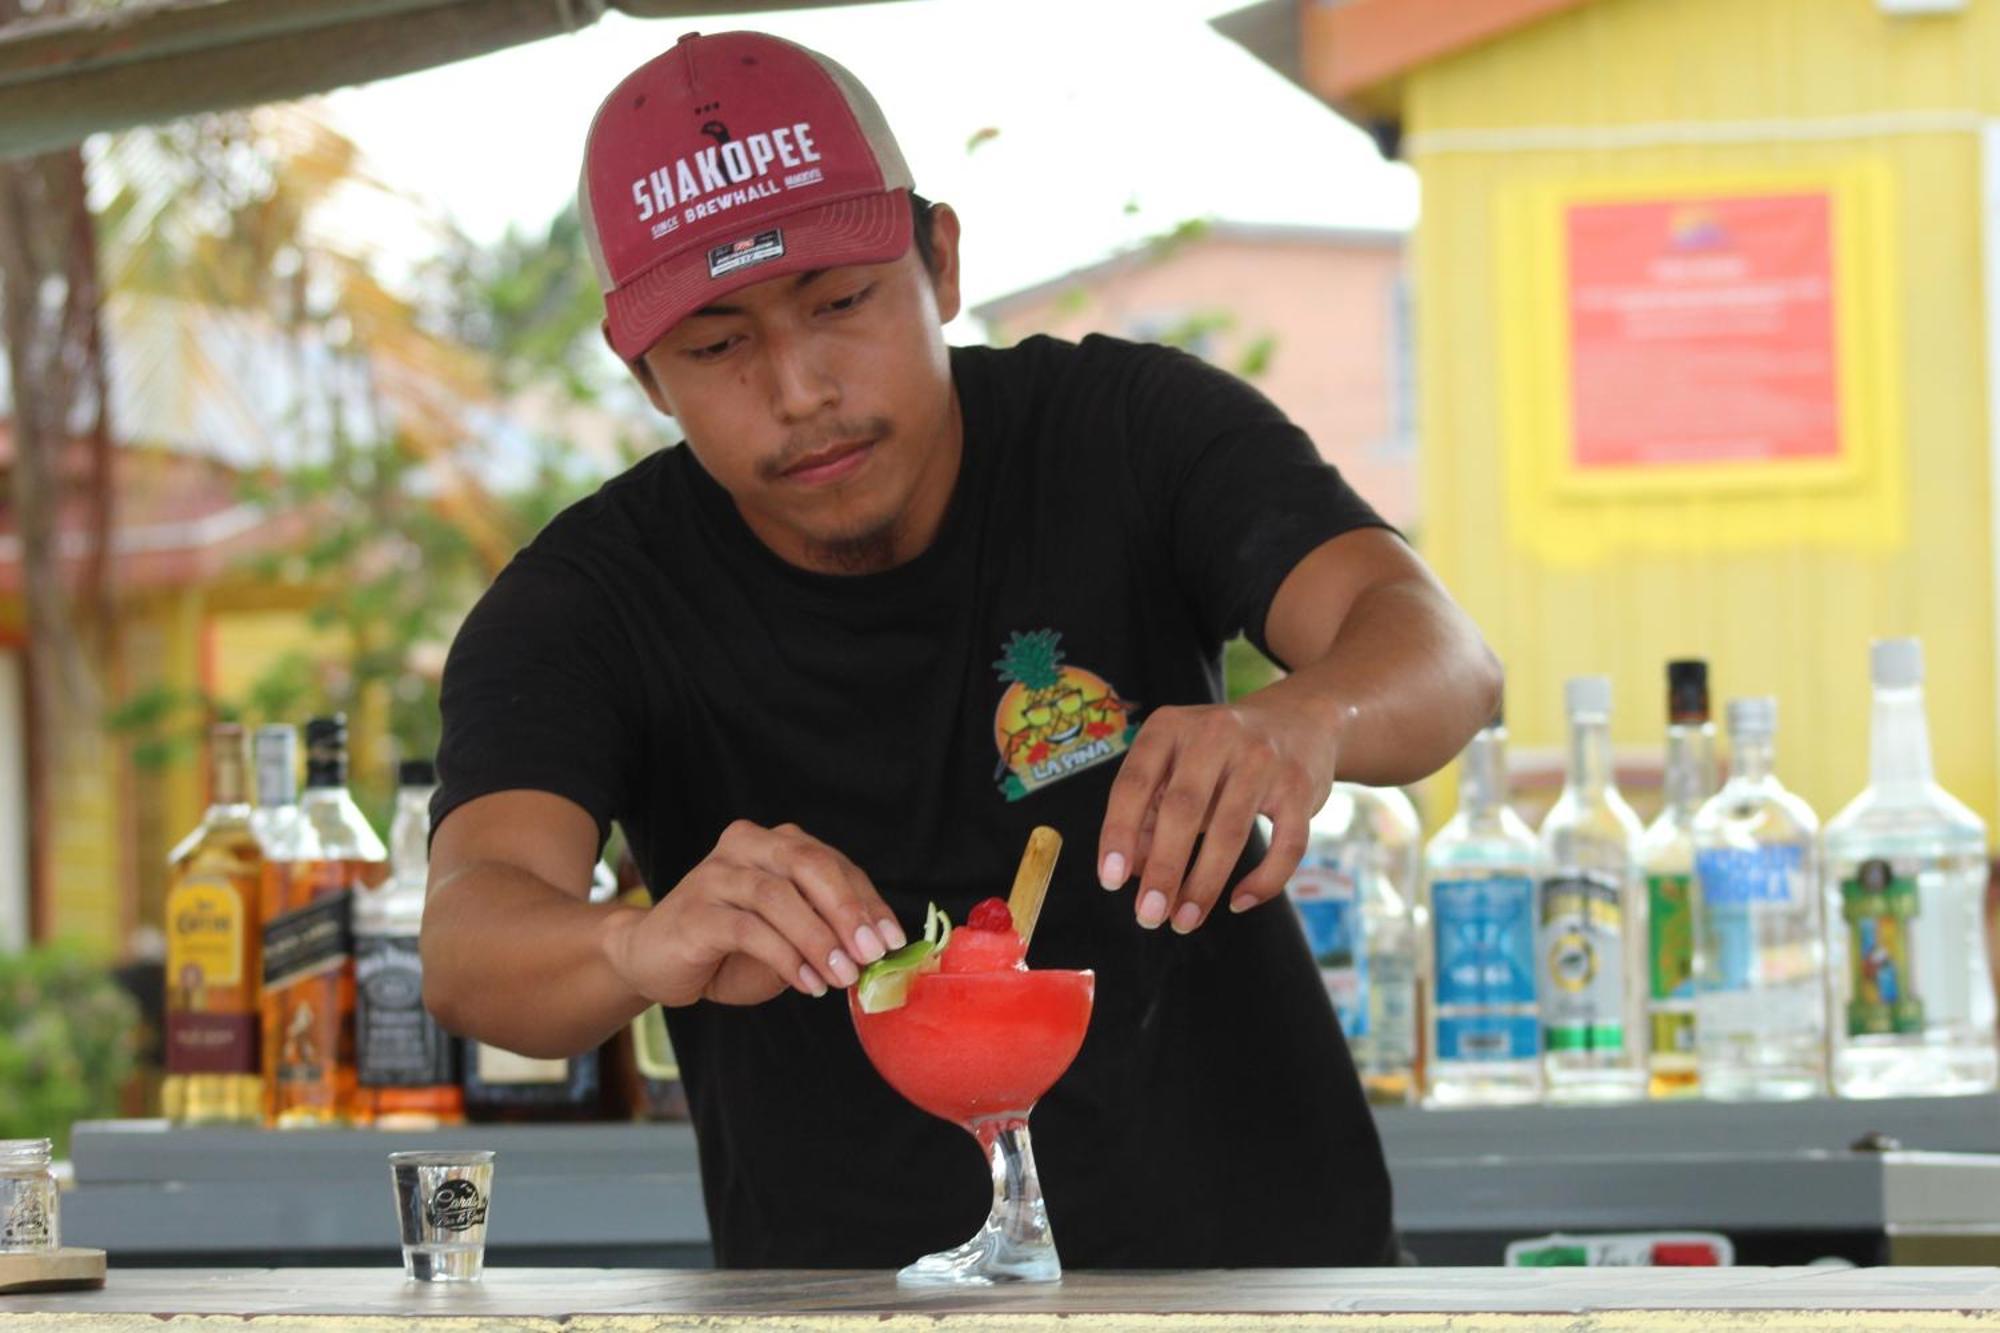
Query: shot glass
(441, 1201)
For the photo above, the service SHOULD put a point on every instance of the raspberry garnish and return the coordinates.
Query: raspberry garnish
(991, 914)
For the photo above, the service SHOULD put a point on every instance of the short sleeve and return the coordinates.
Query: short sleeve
(538, 695)
(1240, 493)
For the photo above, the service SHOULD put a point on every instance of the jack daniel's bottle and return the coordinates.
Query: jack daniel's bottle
(408, 1065)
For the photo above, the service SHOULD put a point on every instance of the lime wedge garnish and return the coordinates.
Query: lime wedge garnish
(885, 983)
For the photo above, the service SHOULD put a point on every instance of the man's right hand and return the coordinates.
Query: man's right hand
(767, 910)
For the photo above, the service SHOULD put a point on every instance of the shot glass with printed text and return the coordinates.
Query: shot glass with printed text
(441, 1202)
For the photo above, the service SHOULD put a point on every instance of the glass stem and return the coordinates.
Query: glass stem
(1018, 1212)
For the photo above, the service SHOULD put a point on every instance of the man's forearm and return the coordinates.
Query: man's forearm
(1405, 684)
(514, 961)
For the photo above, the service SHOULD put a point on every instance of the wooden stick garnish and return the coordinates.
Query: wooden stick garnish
(1031, 880)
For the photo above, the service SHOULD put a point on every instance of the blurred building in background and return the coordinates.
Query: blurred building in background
(1703, 318)
(1315, 317)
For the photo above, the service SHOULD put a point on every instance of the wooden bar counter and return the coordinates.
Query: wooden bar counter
(1464, 1300)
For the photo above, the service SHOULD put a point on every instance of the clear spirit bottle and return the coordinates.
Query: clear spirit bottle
(1591, 920)
(1355, 892)
(1913, 1010)
(1666, 860)
(1478, 899)
(1759, 969)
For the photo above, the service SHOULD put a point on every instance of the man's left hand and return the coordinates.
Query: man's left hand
(1207, 772)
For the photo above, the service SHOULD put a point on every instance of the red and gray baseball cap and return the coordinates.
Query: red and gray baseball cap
(729, 160)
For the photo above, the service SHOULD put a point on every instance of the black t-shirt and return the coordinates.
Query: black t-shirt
(1120, 512)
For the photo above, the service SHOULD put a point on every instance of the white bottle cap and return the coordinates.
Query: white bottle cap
(1753, 717)
(1896, 664)
(1585, 695)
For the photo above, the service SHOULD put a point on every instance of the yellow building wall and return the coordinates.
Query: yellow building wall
(1647, 90)
(85, 898)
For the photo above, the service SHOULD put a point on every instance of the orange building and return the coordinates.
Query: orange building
(1315, 317)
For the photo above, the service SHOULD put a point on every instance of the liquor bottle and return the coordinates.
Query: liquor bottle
(407, 1066)
(1354, 892)
(503, 1086)
(1913, 1005)
(309, 943)
(1759, 960)
(213, 954)
(1666, 859)
(1591, 920)
(1479, 895)
(285, 841)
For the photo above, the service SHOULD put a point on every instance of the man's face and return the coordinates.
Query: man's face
(823, 404)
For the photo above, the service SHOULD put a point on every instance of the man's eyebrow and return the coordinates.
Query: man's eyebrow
(804, 279)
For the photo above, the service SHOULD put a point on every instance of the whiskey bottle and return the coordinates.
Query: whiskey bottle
(212, 1072)
(407, 1064)
(309, 943)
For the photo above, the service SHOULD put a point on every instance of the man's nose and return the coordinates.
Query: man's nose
(802, 385)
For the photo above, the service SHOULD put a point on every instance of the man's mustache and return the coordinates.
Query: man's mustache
(803, 447)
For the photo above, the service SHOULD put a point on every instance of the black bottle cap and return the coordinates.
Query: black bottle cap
(416, 773)
(326, 751)
(1687, 691)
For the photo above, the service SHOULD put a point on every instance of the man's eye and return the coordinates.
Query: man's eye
(713, 350)
(849, 301)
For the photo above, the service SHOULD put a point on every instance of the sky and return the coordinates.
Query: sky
(1110, 121)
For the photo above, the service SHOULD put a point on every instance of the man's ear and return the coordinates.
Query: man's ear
(640, 372)
(944, 251)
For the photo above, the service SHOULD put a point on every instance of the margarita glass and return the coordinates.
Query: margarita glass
(976, 1039)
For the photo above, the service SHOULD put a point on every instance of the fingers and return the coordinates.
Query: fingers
(1291, 816)
(766, 909)
(837, 889)
(1184, 805)
(1133, 795)
(819, 959)
(1190, 794)
(1229, 825)
(752, 936)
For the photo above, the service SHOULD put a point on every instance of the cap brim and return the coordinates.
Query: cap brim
(870, 229)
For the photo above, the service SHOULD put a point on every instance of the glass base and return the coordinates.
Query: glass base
(1015, 1244)
(987, 1259)
(444, 1263)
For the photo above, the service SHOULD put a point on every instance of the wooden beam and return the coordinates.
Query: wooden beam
(64, 79)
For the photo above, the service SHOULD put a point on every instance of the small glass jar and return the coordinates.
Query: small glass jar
(27, 1197)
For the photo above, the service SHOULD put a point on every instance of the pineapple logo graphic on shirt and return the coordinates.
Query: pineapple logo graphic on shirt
(1053, 720)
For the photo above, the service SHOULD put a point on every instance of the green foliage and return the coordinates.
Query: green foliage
(530, 303)
(1244, 669)
(1255, 359)
(164, 725)
(67, 1041)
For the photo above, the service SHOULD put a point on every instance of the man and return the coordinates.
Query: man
(889, 607)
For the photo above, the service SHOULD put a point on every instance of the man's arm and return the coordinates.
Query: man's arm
(514, 954)
(1397, 673)
(1389, 679)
